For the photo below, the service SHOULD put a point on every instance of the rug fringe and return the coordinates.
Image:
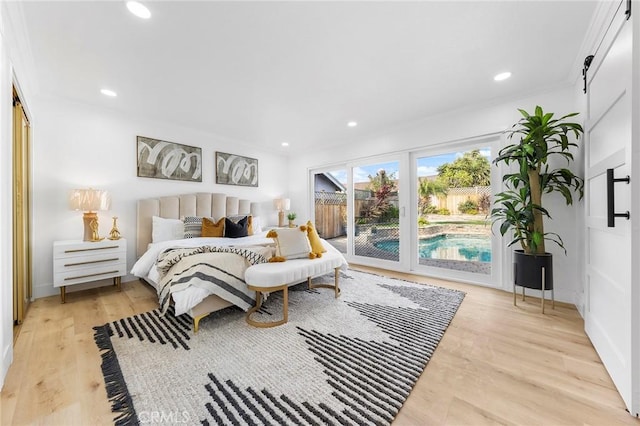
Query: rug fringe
(116, 387)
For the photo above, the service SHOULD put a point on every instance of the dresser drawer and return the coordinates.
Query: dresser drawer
(66, 277)
(75, 249)
(80, 262)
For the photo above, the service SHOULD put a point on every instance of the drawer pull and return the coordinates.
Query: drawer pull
(90, 275)
(89, 262)
(90, 249)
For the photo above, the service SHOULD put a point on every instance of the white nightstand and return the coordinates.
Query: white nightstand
(76, 262)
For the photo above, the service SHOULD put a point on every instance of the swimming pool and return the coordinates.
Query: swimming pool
(465, 247)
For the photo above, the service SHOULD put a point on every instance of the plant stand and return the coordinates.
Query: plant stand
(534, 272)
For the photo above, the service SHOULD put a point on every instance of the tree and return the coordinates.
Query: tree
(430, 188)
(472, 169)
(382, 185)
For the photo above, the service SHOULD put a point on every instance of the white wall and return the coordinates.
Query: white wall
(78, 146)
(450, 127)
(6, 288)
(12, 71)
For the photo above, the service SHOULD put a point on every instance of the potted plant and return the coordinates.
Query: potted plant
(291, 216)
(519, 208)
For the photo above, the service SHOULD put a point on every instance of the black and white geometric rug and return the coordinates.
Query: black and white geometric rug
(351, 360)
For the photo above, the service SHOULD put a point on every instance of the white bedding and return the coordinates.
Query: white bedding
(186, 299)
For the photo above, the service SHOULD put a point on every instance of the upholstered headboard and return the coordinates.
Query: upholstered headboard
(178, 206)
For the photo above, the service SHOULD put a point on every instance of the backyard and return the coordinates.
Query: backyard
(458, 242)
(453, 203)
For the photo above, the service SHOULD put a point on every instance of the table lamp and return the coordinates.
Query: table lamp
(89, 201)
(281, 204)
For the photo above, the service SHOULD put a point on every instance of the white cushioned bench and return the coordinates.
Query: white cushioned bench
(269, 277)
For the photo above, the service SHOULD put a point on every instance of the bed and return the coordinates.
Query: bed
(192, 300)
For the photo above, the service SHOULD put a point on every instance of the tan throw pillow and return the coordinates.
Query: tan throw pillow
(291, 243)
(211, 228)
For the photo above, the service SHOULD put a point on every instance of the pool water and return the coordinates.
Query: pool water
(475, 248)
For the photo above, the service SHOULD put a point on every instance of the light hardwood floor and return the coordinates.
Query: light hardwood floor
(496, 364)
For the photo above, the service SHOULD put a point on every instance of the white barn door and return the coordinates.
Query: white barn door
(609, 255)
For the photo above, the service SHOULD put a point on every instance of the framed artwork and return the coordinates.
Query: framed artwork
(236, 170)
(169, 160)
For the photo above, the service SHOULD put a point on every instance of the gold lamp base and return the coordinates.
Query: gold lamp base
(90, 220)
(281, 218)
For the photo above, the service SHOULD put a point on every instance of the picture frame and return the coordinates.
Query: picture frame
(232, 169)
(168, 160)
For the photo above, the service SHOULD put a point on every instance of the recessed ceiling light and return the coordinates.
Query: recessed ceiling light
(138, 9)
(502, 76)
(285, 144)
(352, 124)
(108, 92)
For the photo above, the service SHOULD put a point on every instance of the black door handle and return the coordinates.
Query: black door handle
(611, 211)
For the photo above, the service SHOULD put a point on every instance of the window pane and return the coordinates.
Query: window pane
(331, 207)
(376, 213)
(454, 198)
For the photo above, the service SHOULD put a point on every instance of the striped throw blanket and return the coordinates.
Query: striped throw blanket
(219, 270)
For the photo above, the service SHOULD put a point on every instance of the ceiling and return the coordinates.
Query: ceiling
(268, 72)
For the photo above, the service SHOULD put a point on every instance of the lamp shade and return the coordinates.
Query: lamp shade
(282, 204)
(89, 200)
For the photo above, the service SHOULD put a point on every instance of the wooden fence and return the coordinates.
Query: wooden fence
(331, 213)
(455, 196)
(331, 207)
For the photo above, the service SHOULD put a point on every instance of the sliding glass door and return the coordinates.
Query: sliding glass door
(454, 199)
(425, 211)
(376, 211)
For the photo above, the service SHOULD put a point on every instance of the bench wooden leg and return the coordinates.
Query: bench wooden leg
(285, 308)
(335, 286)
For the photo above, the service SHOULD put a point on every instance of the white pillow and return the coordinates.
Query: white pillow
(256, 224)
(166, 229)
(292, 243)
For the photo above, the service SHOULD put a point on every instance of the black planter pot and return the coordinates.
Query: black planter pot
(528, 270)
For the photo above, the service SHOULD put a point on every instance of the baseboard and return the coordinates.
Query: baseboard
(7, 359)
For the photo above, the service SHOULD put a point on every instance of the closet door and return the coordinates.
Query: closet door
(21, 215)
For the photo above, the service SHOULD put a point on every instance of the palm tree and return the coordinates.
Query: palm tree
(430, 188)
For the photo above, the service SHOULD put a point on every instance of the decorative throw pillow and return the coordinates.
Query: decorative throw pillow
(236, 230)
(314, 239)
(291, 243)
(238, 218)
(192, 226)
(211, 228)
(166, 229)
(256, 224)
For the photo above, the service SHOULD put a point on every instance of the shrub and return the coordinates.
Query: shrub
(390, 214)
(430, 209)
(484, 202)
(443, 211)
(422, 221)
(468, 207)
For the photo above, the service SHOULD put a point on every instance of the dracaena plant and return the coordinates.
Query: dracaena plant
(519, 208)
